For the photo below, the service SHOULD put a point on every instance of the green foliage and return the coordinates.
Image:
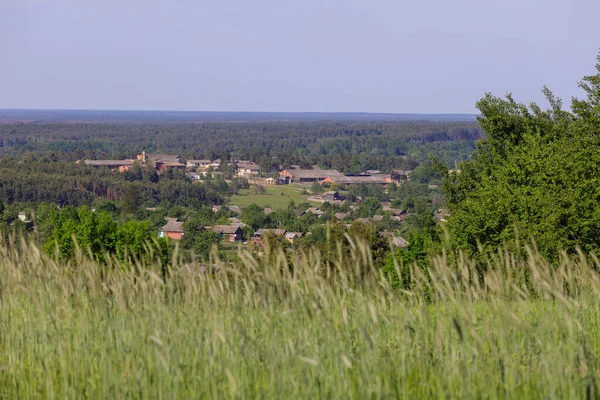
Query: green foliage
(204, 243)
(534, 176)
(369, 207)
(316, 188)
(94, 232)
(288, 327)
(253, 216)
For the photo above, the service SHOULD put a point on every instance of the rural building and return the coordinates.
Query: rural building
(198, 163)
(162, 161)
(331, 196)
(379, 179)
(310, 175)
(293, 237)
(247, 168)
(315, 211)
(340, 216)
(173, 229)
(120, 165)
(400, 242)
(232, 233)
(276, 232)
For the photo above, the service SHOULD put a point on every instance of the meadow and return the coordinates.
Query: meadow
(275, 196)
(281, 327)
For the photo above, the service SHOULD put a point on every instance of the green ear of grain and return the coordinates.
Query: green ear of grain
(288, 326)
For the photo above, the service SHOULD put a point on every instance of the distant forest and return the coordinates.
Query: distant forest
(349, 146)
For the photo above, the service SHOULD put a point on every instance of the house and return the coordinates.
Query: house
(310, 175)
(198, 163)
(292, 237)
(162, 162)
(216, 209)
(315, 211)
(431, 187)
(235, 209)
(269, 181)
(173, 229)
(194, 177)
(400, 242)
(276, 232)
(120, 165)
(247, 168)
(364, 220)
(299, 213)
(377, 218)
(340, 216)
(268, 210)
(397, 211)
(331, 196)
(232, 233)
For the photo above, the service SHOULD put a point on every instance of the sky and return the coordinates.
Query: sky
(390, 56)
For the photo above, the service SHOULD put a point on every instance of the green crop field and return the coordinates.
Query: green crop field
(275, 196)
(275, 327)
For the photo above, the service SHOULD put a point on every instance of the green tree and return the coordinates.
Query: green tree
(254, 216)
(534, 176)
(204, 243)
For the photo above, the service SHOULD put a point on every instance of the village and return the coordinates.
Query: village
(318, 189)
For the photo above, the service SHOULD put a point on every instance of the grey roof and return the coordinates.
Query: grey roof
(400, 242)
(173, 226)
(313, 173)
(226, 229)
(315, 210)
(199, 161)
(108, 163)
(164, 158)
(277, 232)
(341, 215)
(377, 218)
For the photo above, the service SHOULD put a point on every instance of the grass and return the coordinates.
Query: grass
(276, 327)
(271, 198)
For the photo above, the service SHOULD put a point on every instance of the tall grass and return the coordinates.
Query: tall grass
(271, 328)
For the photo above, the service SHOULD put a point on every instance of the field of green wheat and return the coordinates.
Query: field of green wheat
(295, 328)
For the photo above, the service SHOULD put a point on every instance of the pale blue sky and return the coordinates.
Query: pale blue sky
(428, 56)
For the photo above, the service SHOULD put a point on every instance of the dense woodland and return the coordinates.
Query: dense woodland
(347, 146)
